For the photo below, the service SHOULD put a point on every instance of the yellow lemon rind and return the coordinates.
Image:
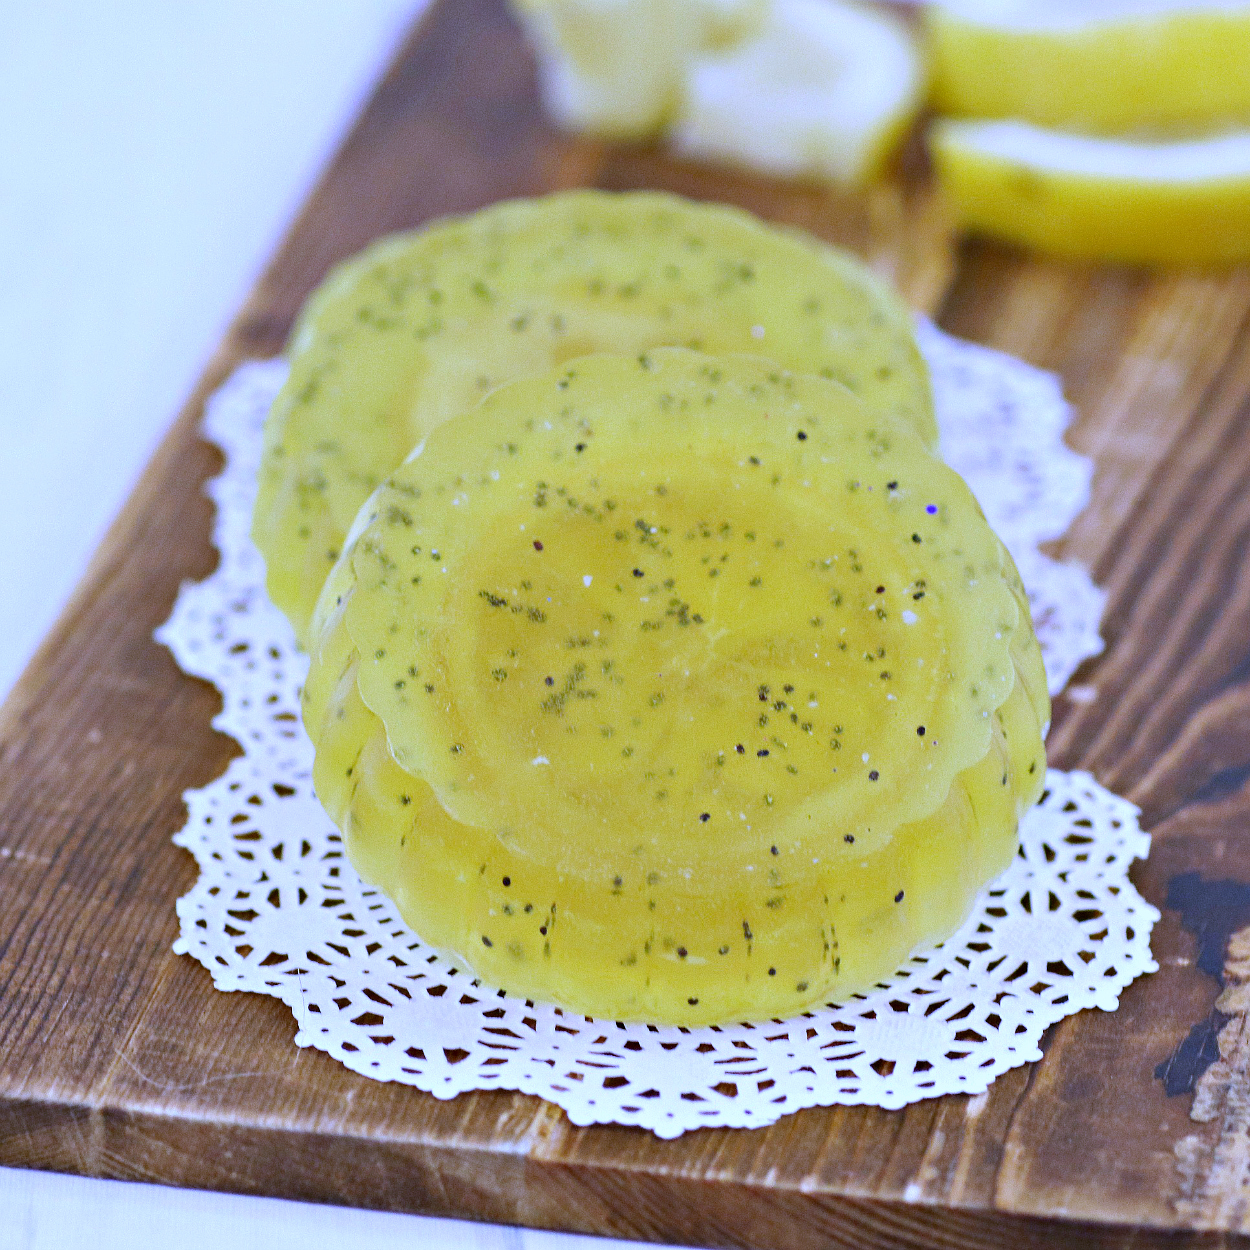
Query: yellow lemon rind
(1116, 202)
(1180, 69)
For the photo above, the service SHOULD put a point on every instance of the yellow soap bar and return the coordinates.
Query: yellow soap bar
(420, 326)
(676, 688)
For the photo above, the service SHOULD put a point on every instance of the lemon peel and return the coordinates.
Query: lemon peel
(617, 68)
(1082, 196)
(824, 90)
(1106, 67)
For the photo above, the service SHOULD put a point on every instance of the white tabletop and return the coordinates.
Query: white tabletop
(150, 155)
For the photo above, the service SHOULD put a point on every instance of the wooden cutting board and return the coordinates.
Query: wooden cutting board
(119, 1059)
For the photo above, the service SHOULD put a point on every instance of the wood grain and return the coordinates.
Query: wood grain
(118, 1059)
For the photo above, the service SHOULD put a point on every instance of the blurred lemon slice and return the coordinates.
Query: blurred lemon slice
(723, 23)
(617, 67)
(1076, 195)
(1098, 65)
(825, 90)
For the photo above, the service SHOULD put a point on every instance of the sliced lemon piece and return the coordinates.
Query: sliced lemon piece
(723, 23)
(1075, 195)
(617, 67)
(419, 327)
(824, 90)
(1097, 65)
(676, 687)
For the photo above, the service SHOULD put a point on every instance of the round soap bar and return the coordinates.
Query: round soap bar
(676, 688)
(420, 326)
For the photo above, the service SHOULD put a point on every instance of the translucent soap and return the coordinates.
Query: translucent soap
(676, 688)
(420, 326)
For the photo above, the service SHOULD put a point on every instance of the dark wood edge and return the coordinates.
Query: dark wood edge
(526, 1189)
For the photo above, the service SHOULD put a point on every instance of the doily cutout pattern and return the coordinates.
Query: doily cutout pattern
(279, 910)
(1001, 424)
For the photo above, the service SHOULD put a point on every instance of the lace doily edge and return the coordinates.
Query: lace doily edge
(1103, 997)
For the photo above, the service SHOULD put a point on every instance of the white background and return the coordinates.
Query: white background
(151, 153)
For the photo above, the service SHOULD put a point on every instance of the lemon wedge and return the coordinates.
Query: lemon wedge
(1096, 65)
(1112, 199)
(824, 90)
(617, 67)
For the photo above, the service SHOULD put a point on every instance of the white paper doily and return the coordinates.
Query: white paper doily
(1001, 424)
(278, 909)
